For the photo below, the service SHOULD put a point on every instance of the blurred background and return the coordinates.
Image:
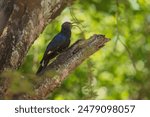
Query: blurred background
(121, 69)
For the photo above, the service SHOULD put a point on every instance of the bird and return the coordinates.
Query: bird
(59, 43)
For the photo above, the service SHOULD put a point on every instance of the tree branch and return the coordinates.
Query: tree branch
(53, 76)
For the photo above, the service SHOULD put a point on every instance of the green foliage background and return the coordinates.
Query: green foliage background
(120, 70)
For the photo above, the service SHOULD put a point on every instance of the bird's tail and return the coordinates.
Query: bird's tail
(44, 62)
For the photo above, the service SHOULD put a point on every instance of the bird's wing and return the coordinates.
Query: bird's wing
(53, 46)
(56, 43)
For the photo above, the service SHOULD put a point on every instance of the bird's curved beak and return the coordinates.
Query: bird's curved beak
(73, 24)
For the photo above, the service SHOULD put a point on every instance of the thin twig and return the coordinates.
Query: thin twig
(118, 38)
(76, 21)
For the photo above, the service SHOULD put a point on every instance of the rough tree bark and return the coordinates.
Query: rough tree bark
(21, 21)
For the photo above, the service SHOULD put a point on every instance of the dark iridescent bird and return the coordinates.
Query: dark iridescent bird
(59, 43)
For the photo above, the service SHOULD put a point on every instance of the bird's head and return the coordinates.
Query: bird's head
(66, 25)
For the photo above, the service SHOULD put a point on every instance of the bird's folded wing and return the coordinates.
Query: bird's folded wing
(53, 46)
(56, 43)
